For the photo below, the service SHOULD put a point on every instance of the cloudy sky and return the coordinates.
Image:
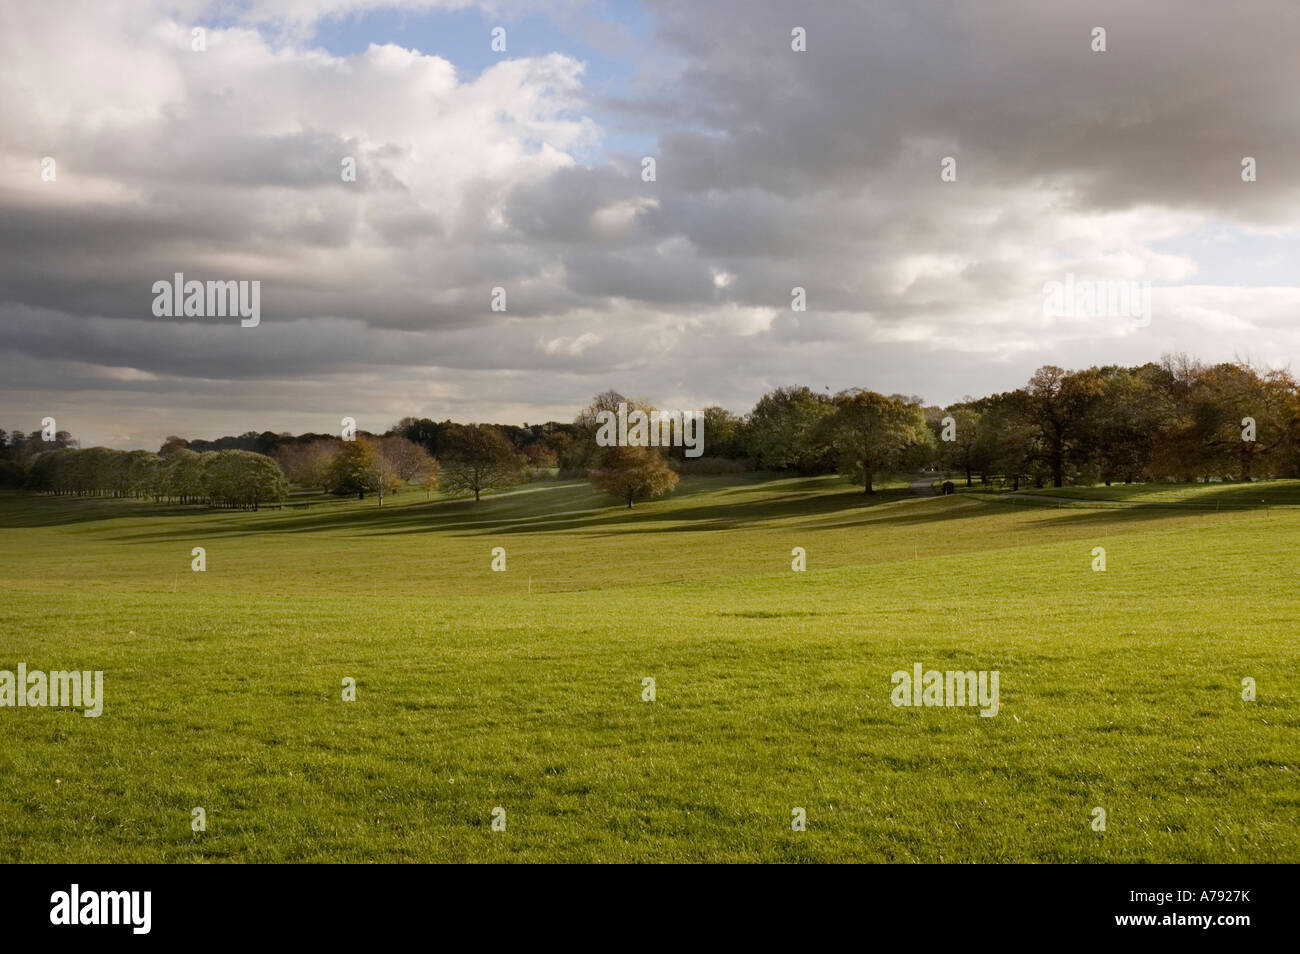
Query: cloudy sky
(522, 169)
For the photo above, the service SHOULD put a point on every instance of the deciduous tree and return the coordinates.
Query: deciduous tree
(634, 473)
(871, 433)
(476, 457)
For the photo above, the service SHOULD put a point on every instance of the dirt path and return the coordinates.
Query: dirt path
(922, 486)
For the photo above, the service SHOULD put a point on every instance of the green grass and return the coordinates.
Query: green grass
(1255, 494)
(522, 689)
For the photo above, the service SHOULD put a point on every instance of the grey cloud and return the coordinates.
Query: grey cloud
(778, 169)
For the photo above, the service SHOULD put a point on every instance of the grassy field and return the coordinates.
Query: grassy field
(1260, 494)
(523, 689)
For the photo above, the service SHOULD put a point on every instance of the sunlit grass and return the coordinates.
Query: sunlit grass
(522, 689)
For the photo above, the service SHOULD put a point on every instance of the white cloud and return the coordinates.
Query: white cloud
(773, 171)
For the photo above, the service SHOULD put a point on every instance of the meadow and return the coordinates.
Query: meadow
(522, 689)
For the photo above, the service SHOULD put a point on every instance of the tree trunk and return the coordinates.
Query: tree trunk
(968, 477)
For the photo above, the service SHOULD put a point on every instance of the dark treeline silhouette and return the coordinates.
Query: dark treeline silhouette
(228, 478)
(428, 434)
(1176, 420)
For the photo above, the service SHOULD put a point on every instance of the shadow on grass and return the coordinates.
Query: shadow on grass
(19, 510)
(701, 504)
(1081, 511)
(569, 507)
(606, 519)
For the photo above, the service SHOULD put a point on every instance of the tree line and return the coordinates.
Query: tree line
(1177, 420)
(229, 478)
